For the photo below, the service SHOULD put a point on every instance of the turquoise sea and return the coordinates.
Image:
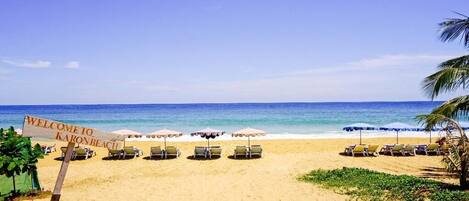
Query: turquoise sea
(276, 118)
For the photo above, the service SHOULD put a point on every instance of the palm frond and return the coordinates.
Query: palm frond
(430, 121)
(454, 28)
(452, 75)
(456, 108)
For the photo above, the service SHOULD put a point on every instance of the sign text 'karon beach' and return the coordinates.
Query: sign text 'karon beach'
(40, 127)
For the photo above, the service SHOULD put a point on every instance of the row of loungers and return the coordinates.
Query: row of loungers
(79, 152)
(170, 151)
(207, 152)
(396, 149)
(244, 151)
(199, 152)
(362, 149)
(131, 151)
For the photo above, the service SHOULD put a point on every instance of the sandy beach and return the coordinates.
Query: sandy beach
(273, 177)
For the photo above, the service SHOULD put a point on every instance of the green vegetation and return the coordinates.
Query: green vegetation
(363, 184)
(452, 75)
(17, 159)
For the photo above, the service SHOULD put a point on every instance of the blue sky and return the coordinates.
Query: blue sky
(56, 52)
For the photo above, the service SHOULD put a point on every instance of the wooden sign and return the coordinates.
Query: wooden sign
(45, 128)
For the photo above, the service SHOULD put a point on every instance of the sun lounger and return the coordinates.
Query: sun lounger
(131, 151)
(156, 151)
(348, 149)
(214, 151)
(387, 149)
(255, 150)
(372, 149)
(432, 148)
(48, 149)
(409, 149)
(83, 152)
(359, 149)
(64, 150)
(200, 152)
(114, 152)
(172, 151)
(444, 149)
(398, 149)
(240, 151)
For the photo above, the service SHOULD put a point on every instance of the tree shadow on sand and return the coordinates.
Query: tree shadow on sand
(437, 173)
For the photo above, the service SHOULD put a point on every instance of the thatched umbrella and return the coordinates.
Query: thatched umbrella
(127, 133)
(208, 133)
(165, 133)
(248, 132)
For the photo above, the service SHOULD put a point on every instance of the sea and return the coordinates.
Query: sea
(279, 120)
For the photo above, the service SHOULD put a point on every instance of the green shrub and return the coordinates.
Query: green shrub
(366, 184)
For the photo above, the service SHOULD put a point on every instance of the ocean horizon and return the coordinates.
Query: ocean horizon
(294, 119)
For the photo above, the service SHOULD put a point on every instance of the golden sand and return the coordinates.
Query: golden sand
(273, 177)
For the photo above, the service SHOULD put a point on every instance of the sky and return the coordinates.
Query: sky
(98, 52)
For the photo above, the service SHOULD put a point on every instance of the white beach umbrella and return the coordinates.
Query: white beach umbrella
(359, 127)
(398, 126)
(248, 132)
(127, 133)
(164, 133)
(208, 133)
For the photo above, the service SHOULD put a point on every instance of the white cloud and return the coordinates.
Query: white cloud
(28, 64)
(399, 60)
(391, 61)
(72, 65)
(388, 77)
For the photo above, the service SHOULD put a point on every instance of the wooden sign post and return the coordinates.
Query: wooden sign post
(44, 128)
(62, 172)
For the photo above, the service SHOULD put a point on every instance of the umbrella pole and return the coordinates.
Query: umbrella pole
(208, 143)
(164, 142)
(360, 137)
(124, 141)
(430, 137)
(397, 137)
(249, 141)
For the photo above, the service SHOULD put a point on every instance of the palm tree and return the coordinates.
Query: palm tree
(451, 76)
(454, 73)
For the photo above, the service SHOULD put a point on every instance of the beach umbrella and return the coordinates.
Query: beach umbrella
(248, 132)
(127, 133)
(398, 126)
(165, 133)
(463, 125)
(359, 127)
(208, 133)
